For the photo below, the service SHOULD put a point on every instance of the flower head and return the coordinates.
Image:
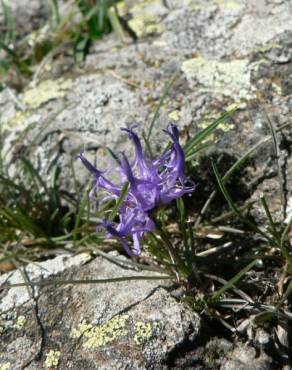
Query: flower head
(152, 183)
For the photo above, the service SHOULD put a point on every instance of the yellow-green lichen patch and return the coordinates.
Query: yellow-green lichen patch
(5, 366)
(80, 330)
(230, 4)
(46, 91)
(277, 88)
(20, 322)
(266, 47)
(228, 78)
(143, 332)
(144, 21)
(224, 126)
(174, 116)
(18, 118)
(100, 335)
(52, 358)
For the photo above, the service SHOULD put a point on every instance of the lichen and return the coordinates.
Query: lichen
(100, 335)
(228, 78)
(20, 322)
(231, 4)
(5, 366)
(224, 126)
(174, 116)
(81, 329)
(46, 91)
(267, 47)
(143, 332)
(18, 118)
(52, 358)
(144, 21)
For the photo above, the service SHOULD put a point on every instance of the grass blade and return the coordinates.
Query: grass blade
(277, 155)
(86, 281)
(234, 280)
(234, 167)
(286, 231)
(122, 197)
(161, 101)
(192, 143)
(271, 221)
(233, 206)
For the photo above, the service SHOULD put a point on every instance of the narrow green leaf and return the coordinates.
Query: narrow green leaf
(57, 282)
(277, 155)
(233, 168)
(197, 139)
(233, 206)
(122, 197)
(115, 23)
(271, 221)
(286, 231)
(161, 101)
(34, 174)
(234, 280)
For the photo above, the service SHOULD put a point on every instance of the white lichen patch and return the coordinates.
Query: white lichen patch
(143, 332)
(46, 91)
(20, 322)
(5, 366)
(52, 358)
(228, 78)
(100, 335)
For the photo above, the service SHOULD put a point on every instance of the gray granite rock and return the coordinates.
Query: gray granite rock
(228, 53)
(133, 324)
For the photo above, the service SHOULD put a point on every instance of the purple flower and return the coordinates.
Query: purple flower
(152, 183)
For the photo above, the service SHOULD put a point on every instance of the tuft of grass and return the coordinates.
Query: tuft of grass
(85, 22)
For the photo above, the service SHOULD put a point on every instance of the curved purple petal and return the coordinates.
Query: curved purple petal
(152, 183)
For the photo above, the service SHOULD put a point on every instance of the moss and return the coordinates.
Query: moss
(52, 358)
(228, 78)
(46, 91)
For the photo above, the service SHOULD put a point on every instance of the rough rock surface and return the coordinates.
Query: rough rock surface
(133, 324)
(223, 57)
(226, 53)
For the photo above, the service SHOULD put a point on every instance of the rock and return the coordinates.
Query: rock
(228, 53)
(33, 14)
(244, 357)
(135, 323)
